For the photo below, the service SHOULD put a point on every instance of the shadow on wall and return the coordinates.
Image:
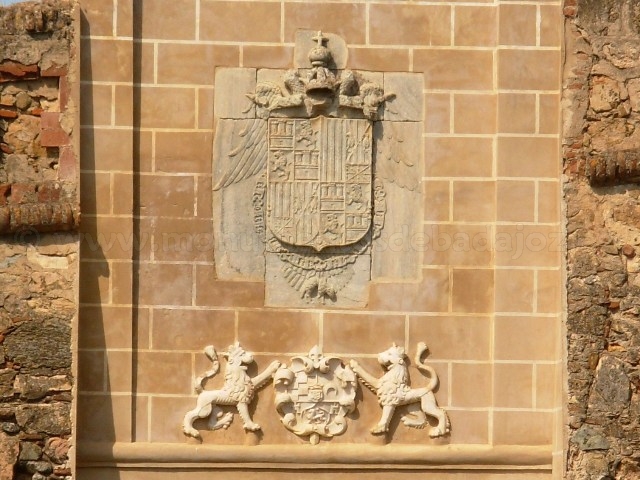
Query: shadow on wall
(95, 409)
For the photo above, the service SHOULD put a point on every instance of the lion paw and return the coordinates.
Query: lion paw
(252, 426)
(435, 432)
(378, 429)
(220, 421)
(192, 432)
(414, 424)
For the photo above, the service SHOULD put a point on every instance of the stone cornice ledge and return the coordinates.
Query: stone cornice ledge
(351, 456)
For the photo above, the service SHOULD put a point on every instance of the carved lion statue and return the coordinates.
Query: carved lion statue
(393, 390)
(238, 390)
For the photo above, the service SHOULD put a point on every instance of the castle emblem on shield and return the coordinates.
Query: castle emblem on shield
(319, 176)
(308, 145)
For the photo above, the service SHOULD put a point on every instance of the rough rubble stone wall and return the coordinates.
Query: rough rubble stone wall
(601, 152)
(38, 264)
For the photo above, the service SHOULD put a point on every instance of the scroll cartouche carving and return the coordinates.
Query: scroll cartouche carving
(314, 395)
(393, 390)
(238, 390)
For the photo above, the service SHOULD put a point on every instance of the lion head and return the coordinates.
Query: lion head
(392, 356)
(236, 355)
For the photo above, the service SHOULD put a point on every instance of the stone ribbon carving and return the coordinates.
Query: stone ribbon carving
(314, 395)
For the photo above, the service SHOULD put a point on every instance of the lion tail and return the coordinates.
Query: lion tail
(424, 368)
(211, 354)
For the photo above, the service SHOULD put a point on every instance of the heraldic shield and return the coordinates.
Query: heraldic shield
(314, 395)
(319, 177)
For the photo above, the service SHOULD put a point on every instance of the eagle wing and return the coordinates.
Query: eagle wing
(248, 154)
(392, 160)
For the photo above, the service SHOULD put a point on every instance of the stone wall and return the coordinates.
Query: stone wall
(601, 146)
(39, 197)
(153, 295)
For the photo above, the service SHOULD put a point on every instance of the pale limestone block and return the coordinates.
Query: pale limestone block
(272, 76)
(305, 42)
(398, 162)
(407, 104)
(238, 248)
(397, 252)
(231, 86)
(352, 286)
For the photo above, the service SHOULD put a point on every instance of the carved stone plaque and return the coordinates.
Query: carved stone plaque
(301, 178)
(314, 395)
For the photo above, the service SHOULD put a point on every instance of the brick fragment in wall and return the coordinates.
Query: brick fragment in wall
(51, 132)
(39, 217)
(12, 71)
(614, 168)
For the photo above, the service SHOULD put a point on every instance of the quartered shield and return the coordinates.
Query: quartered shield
(319, 181)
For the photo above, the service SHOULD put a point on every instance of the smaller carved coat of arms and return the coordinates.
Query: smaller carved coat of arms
(314, 395)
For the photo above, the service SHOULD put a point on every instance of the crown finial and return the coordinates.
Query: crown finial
(319, 38)
(320, 55)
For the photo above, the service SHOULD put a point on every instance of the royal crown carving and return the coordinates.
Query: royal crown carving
(319, 89)
(308, 145)
(316, 394)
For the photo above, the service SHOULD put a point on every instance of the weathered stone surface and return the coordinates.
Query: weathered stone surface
(588, 437)
(239, 248)
(36, 387)
(29, 451)
(46, 16)
(601, 151)
(55, 59)
(51, 419)
(8, 455)
(35, 345)
(41, 467)
(6, 383)
(9, 427)
(406, 88)
(611, 390)
(397, 252)
(231, 87)
(23, 100)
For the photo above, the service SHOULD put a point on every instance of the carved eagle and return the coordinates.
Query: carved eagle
(250, 151)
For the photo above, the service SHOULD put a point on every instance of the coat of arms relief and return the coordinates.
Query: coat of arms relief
(316, 394)
(307, 173)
